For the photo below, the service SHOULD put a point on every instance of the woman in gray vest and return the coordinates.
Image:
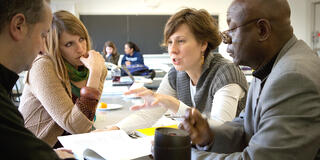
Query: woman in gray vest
(199, 78)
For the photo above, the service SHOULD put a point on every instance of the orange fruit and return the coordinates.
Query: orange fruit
(102, 105)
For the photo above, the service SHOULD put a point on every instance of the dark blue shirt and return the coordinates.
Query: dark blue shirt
(135, 59)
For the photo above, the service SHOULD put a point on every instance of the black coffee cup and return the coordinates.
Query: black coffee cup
(172, 144)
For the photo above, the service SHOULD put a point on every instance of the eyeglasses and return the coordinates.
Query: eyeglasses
(226, 38)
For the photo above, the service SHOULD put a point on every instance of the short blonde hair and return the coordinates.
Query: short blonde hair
(201, 24)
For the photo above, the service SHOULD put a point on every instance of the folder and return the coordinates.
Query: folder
(151, 131)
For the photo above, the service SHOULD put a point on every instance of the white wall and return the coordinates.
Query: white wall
(301, 11)
(69, 5)
(301, 19)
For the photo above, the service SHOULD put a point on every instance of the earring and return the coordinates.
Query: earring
(202, 58)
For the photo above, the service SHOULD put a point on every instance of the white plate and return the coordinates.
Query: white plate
(110, 107)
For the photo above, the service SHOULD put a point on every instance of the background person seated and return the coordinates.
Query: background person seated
(132, 55)
(133, 60)
(110, 53)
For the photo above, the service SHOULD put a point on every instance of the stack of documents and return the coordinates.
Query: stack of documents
(111, 145)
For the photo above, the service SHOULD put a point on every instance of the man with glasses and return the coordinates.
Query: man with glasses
(282, 115)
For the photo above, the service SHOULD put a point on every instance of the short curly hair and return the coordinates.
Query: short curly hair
(201, 24)
(32, 10)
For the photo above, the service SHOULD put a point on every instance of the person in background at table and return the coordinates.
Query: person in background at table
(282, 114)
(24, 24)
(198, 78)
(64, 85)
(132, 55)
(110, 53)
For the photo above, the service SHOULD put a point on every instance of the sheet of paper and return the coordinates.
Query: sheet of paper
(138, 79)
(112, 145)
(164, 121)
(142, 79)
(109, 90)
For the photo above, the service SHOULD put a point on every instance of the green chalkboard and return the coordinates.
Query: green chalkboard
(144, 30)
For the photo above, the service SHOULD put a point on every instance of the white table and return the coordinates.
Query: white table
(110, 117)
(114, 95)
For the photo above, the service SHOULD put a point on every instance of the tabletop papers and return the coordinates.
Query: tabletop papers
(111, 145)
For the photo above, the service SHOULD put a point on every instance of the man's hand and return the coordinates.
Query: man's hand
(197, 127)
(109, 128)
(64, 153)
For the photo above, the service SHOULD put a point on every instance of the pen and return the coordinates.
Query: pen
(174, 116)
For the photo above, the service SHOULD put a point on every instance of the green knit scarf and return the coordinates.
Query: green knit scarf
(76, 75)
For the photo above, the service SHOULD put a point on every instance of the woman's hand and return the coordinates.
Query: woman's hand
(128, 63)
(152, 99)
(95, 63)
